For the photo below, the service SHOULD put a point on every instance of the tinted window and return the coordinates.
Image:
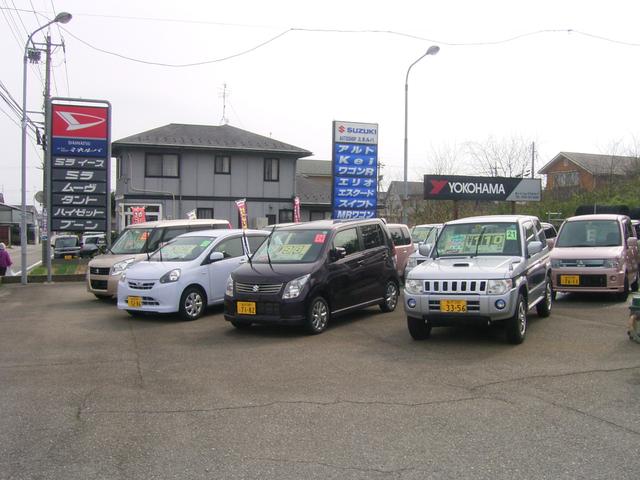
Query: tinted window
(255, 242)
(347, 239)
(230, 248)
(172, 232)
(399, 236)
(372, 236)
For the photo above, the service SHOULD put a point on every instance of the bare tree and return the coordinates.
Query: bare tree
(508, 157)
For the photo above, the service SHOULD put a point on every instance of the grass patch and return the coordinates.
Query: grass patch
(63, 267)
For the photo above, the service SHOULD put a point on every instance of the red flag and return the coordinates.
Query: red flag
(296, 209)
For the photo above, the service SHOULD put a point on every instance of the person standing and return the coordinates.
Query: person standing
(5, 259)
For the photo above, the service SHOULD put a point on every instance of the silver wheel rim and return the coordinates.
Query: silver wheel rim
(193, 304)
(392, 296)
(549, 296)
(319, 314)
(522, 319)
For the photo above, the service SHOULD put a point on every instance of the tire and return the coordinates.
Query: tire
(391, 293)
(544, 307)
(554, 294)
(241, 325)
(634, 284)
(418, 328)
(318, 315)
(135, 313)
(517, 325)
(622, 296)
(192, 303)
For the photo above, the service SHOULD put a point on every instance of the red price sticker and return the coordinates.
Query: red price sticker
(320, 237)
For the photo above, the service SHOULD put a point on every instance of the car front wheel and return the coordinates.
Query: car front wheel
(517, 325)
(544, 306)
(192, 304)
(317, 316)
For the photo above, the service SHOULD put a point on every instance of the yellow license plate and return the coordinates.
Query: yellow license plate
(68, 257)
(246, 308)
(570, 280)
(453, 306)
(135, 302)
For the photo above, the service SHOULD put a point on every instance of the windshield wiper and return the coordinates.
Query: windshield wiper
(479, 240)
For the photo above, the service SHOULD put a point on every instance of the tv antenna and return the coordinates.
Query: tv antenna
(224, 94)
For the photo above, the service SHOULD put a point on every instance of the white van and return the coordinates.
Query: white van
(133, 244)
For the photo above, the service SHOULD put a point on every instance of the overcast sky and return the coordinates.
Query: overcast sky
(568, 91)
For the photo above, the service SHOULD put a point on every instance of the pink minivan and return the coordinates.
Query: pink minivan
(596, 253)
(401, 238)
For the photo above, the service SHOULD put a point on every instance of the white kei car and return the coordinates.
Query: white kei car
(188, 273)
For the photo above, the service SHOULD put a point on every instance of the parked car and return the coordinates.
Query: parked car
(65, 246)
(133, 244)
(90, 245)
(309, 273)
(636, 227)
(416, 258)
(401, 238)
(186, 274)
(420, 233)
(596, 253)
(481, 270)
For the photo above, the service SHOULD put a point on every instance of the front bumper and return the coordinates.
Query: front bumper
(592, 280)
(103, 284)
(270, 309)
(480, 308)
(159, 298)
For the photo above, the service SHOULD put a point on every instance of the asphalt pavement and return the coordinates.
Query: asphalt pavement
(89, 392)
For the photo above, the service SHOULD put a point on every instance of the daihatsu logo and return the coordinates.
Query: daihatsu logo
(78, 121)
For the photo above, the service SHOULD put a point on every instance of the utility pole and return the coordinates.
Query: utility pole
(46, 249)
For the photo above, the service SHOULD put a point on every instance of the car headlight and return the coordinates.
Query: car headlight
(612, 263)
(412, 262)
(556, 263)
(121, 266)
(295, 286)
(171, 276)
(229, 288)
(413, 286)
(498, 287)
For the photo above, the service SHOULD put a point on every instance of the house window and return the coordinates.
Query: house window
(223, 165)
(271, 169)
(204, 213)
(271, 219)
(285, 216)
(161, 165)
(566, 179)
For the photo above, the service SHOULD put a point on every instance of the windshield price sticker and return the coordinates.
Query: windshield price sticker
(291, 251)
(512, 234)
(205, 243)
(320, 238)
(490, 243)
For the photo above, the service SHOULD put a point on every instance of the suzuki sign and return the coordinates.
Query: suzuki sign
(456, 187)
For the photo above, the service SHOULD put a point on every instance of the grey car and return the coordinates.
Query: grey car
(481, 270)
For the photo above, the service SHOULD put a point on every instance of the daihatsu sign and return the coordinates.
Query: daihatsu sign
(457, 187)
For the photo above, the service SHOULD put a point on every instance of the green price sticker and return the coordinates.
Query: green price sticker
(205, 243)
(512, 234)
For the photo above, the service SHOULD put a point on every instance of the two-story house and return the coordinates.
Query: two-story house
(178, 168)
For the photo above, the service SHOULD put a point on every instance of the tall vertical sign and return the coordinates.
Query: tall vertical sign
(355, 170)
(79, 180)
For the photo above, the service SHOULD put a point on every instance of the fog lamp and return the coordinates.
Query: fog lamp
(500, 304)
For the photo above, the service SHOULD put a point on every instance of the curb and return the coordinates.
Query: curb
(43, 278)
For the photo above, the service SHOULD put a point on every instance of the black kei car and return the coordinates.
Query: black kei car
(305, 274)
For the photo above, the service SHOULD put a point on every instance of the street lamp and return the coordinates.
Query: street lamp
(433, 49)
(62, 17)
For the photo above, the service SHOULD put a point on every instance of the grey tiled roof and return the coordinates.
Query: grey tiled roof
(313, 191)
(223, 137)
(596, 164)
(314, 167)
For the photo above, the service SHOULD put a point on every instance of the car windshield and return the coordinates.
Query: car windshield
(471, 239)
(66, 242)
(132, 240)
(182, 249)
(590, 233)
(420, 234)
(291, 246)
(92, 240)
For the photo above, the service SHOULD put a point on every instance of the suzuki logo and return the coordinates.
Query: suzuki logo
(256, 288)
(341, 129)
(78, 121)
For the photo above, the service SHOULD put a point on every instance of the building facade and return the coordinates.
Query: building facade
(178, 168)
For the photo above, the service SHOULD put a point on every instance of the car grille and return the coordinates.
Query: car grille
(99, 270)
(455, 287)
(472, 306)
(141, 285)
(589, 281)
(581, 263)
(258, 287)
(99, 284)
(150, 302)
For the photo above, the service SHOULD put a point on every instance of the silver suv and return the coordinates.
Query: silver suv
(482, 270)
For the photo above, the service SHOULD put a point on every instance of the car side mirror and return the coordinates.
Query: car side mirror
(551, 243)
(534, 247)
(216, 257)
(337, 253)
(425, 249)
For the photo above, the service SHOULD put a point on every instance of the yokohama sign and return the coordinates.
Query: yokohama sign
(455, 187)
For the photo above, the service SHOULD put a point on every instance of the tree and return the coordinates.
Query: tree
(507, 157)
